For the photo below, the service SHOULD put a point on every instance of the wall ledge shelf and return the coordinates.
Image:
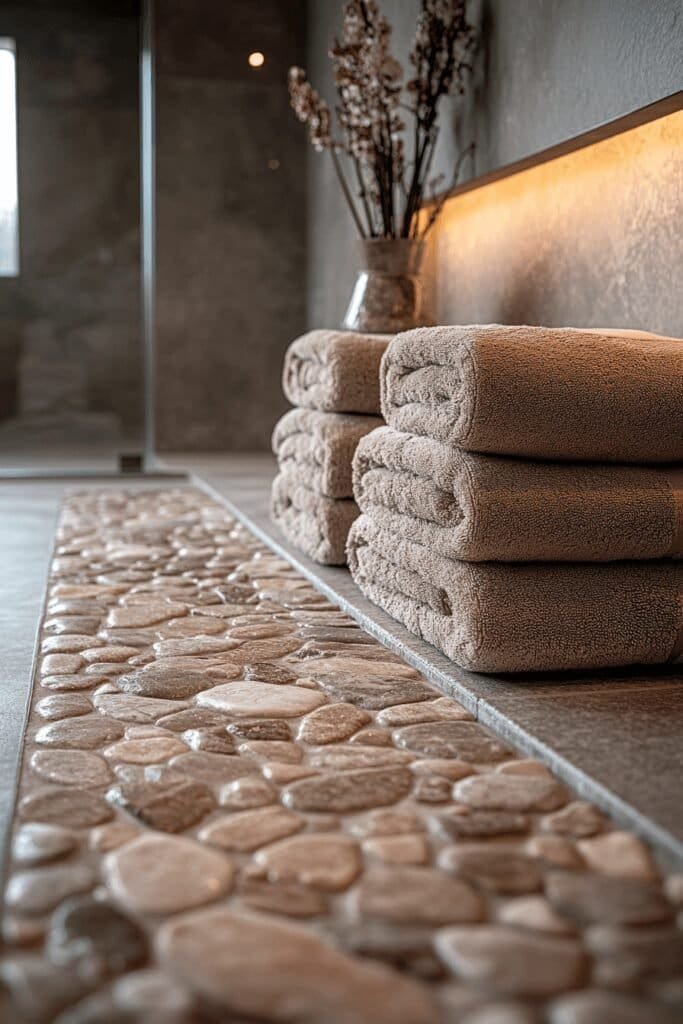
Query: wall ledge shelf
(606, 130)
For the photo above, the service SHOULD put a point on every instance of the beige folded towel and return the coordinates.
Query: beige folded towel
(517, 617)
(316, 525)
(335, 371)
(539, 392)
(486, 508)
(316, 448)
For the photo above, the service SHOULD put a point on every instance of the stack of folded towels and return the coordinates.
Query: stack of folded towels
(333, 379)
(522, 510)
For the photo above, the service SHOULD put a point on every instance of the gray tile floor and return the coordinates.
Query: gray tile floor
(28, 513)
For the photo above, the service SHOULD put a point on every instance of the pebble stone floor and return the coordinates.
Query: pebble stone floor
(236, 806)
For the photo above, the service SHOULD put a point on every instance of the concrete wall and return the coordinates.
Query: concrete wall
(69, 324)
(545, 71)
(231, 166)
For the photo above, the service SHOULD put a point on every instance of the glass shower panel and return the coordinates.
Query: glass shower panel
(71, 381)
(9, 220)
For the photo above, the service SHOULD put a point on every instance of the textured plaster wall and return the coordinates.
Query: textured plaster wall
(77, 97)
(231, 220)
(591, 239)
(546, 70)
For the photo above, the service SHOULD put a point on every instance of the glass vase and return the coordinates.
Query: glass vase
(387, 296)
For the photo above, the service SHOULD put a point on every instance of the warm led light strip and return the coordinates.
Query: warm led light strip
(643, 115)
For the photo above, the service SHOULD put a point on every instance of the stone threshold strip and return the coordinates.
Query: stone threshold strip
(236, 806)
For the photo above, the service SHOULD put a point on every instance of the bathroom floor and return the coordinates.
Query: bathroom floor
(614, 735)
(235, 805)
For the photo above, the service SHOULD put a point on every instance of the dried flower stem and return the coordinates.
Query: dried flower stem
(362, 192)
(439, 203)
(369, 84)
(346, 191)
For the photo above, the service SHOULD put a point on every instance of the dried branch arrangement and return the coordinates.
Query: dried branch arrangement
(385, 182)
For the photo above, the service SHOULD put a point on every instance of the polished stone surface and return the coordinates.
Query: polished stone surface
(511, 962)
(416, 895)
(36, 843)
(327, 862)
(70, 767)
(75, 807)
(155, 681)
(497, 868)
(249, 830)
(252, 698)
(353, 790)
(166, 874)
(332, 816)
(465, 740)
(332, 723)
(41, 889)
(170, 805)
(510, 793)
(94, 936)
(220, 954)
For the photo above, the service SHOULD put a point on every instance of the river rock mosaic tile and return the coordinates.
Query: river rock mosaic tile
(235, 806)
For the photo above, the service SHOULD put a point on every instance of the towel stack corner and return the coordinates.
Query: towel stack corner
(523, 508)
(332, 379)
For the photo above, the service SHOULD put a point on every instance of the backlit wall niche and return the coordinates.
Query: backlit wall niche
(592, 238)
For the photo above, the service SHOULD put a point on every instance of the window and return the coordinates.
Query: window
(9, 211)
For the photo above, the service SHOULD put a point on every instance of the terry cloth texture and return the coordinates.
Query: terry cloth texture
(316, 448)
(540, 392)
(521, 617)
(486, 508)
(335, 371)
(316, 525)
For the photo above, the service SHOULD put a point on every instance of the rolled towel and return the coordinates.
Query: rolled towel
(314, 524)
(335, 371)
(492, 508)
(517, 617)
(539, 392)
(317, 448)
